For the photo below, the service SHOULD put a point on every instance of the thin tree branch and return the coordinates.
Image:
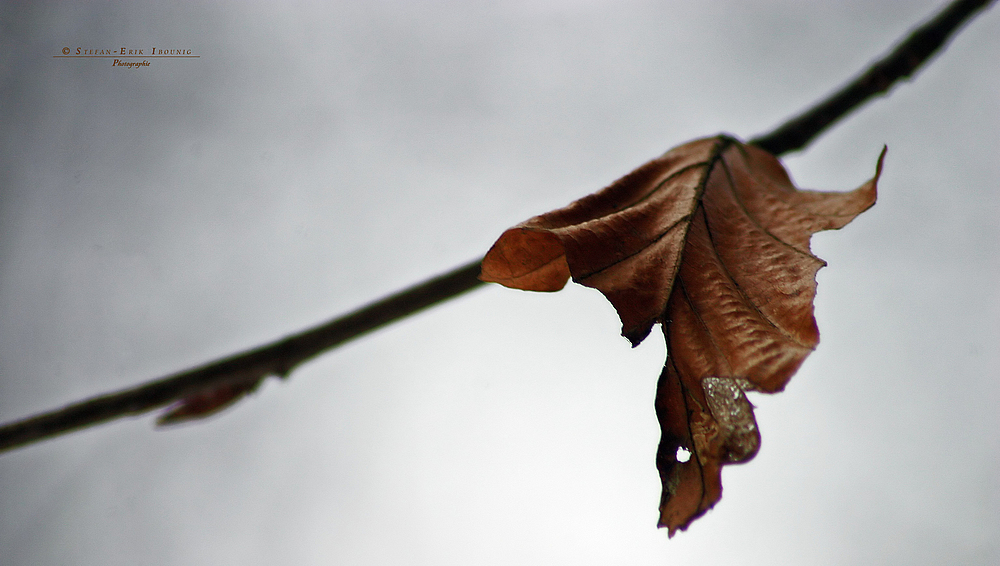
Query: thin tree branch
(242, 372)
(245, 368)
(906, 58)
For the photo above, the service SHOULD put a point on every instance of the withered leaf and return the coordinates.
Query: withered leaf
(712, 241)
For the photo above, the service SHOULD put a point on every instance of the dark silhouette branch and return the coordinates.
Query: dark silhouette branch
(245, 368)
(243, 371)
(902, 62)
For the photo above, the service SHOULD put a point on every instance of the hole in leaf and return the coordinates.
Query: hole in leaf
(683, 454)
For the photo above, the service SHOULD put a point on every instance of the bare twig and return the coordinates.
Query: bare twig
(906, 58)
(277, 358)
(244, 370)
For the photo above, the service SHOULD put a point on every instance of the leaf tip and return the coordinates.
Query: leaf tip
(881, 158)
(636, 335)
(671, 531)
(878, 173)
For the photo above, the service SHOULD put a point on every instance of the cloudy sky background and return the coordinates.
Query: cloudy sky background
(320, 155)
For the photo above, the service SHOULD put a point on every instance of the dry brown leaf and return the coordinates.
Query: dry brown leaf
(712, 241)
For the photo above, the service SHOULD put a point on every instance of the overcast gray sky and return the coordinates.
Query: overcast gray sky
(319, 155)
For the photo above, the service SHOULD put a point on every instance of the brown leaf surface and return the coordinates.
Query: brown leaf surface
(712, 240)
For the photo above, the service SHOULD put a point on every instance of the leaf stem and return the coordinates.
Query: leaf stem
(284, 355)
